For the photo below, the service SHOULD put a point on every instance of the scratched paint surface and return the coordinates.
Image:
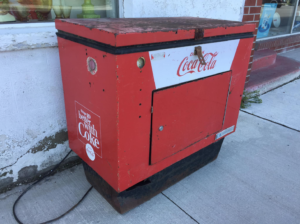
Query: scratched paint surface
(136, 31)
(140, 25)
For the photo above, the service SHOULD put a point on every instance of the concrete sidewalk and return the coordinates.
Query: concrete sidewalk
(255, 179)
(282, 105)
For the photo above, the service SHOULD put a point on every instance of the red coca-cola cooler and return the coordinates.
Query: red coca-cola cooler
(150, 100)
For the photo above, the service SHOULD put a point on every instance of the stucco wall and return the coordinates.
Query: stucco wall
(216, 9)
(33, 135)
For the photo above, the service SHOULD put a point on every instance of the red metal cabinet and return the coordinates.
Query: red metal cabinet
(138, 96)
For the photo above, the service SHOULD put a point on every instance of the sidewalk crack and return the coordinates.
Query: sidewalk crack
(271, 121)
(180, 208)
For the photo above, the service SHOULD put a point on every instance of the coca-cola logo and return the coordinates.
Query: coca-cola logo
(88, 130)
(192, 64)
(90, 152)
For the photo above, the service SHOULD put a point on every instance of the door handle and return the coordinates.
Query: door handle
(198, 52)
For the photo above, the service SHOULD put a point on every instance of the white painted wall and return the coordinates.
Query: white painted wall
(31, 93)
(32, 108)
(215, 9)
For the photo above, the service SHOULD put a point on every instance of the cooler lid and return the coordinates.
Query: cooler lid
(137, 31)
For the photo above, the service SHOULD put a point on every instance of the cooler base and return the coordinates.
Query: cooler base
(145, 190)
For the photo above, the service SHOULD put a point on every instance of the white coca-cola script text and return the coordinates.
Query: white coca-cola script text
(188, 65)
(86, 129)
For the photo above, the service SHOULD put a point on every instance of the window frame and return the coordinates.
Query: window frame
(291, 30)
(12, 25)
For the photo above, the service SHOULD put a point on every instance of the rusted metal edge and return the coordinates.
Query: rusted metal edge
(199, 34)
(227, 100)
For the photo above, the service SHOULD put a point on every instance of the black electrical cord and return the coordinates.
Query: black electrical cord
(45, 175)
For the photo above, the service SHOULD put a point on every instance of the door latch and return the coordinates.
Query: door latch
(198, 52)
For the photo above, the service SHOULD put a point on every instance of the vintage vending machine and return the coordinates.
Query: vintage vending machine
(149, 100)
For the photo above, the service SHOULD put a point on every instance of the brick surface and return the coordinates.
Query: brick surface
(257, 17)
(247, 78)
(247, 18)
(251, 8)
(251, 59)
(280, 42)
(254, 10)
(258, 2)
(250, 3)
(250, 66)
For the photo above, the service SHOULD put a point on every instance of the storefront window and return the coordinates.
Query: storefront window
(277, 18)
(12, 11)
(296, 27)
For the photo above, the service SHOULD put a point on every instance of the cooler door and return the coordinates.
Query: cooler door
(187, 113)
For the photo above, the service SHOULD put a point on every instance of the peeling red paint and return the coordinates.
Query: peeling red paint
(133, 31)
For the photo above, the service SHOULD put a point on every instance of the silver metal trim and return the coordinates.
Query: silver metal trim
(227, 99)
(295, 10)
(274, 37)
(120, 8)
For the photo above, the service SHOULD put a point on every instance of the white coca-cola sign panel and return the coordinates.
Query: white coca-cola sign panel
(178, 65)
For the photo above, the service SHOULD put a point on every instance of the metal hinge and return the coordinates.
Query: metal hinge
(151, 110)
(198, 34)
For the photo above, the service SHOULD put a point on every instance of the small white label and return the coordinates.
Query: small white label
(90, 152)
(225, 132)
(157, 56)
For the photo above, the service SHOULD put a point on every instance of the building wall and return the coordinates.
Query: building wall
(280, 44)
(252, 15)
(33, 135)
(216, 9)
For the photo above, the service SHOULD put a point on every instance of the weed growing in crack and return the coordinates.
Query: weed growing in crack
(250, 97)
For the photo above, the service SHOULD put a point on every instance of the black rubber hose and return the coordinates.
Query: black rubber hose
(40, 179)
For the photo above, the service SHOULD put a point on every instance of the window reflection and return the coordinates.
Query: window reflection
(276, 18)
(48, 10)
(297, 20)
